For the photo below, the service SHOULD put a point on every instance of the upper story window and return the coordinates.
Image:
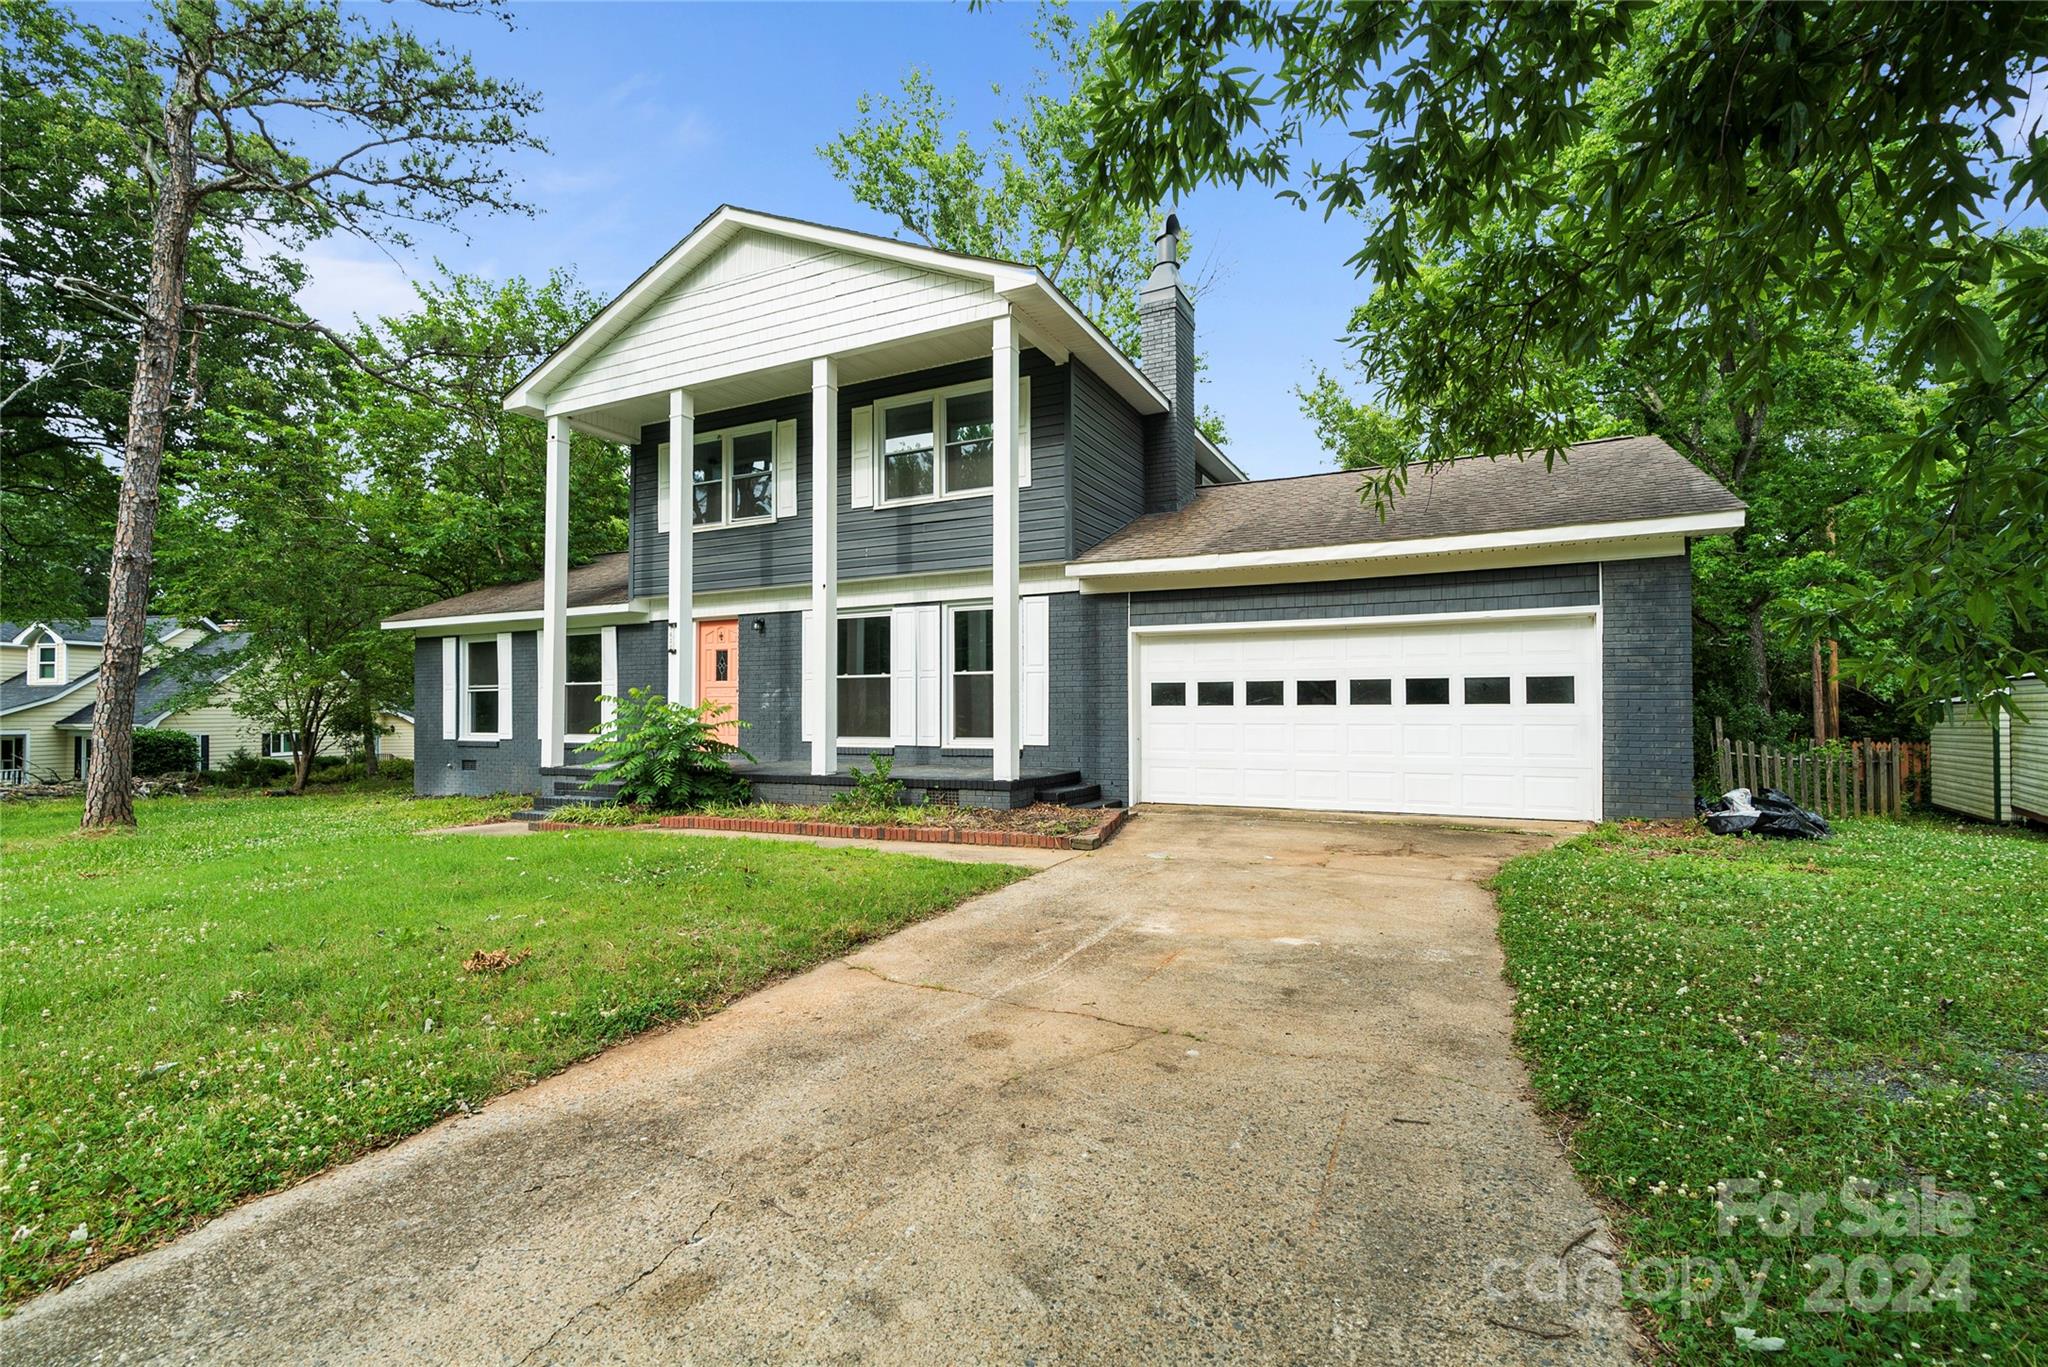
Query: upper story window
(938, 443)
(732, 477)
(46, 660)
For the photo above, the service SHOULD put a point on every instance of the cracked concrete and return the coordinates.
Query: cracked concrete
(1236, 1086)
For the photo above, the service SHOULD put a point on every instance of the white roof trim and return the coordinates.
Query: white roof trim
(1697, 524)
(1005, 278)
(1205, 447)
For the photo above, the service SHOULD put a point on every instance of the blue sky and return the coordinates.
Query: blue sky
(657, 113)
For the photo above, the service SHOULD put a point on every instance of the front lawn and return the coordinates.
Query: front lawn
(1792, 1016)
(245, 990)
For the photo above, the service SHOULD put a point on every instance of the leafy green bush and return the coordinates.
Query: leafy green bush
(397, 770)
(244, 770)
(874, 791)
(165, 752)
(666, 756)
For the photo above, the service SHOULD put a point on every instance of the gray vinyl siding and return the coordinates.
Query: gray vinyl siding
(1546, 586)
(953, 534)
(751, 556)
(496, 766)
(957, 534)
(1105, 458)
(1646, 693)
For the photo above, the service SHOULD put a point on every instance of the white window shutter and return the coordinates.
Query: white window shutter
(662, 465)
(1034, 671)
(1024, 432)
(931, 663)
(903, 676)
(785, 468)
(810, 722)
(451, 688)
(504, 685)
(608, 684)
(864, 456)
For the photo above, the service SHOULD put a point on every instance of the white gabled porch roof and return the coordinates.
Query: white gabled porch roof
(587, 381)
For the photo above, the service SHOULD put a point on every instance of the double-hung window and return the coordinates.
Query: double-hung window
(864, 678)
(937, 444)
(46, 660)
(482, 700)
(583, 685)
(732, 477)
(972, 688)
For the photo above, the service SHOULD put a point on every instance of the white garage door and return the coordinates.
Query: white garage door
(1492, 719)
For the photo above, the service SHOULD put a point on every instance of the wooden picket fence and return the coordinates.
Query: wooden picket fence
(1862, 778)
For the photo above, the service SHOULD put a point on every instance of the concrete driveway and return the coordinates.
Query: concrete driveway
(1237, 1086)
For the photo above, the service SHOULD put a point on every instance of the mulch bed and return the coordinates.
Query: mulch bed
(1022, 828)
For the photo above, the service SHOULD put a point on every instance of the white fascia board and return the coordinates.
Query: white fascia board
(1384, 621)
(592, 614)
(1094, 345)
(1585, 534)
(1205, 447)
(529, 396)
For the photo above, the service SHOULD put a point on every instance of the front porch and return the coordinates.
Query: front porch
(791, 782)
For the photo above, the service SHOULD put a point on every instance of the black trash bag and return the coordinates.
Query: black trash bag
(1767, 812)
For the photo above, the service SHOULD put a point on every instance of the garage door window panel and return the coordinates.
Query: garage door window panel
(1428, 692)
(1316, 693)
(1550, 690)
(1486, 690)
(1372, 692)
(1264, 693)
(1169, 695)
(1216, 694)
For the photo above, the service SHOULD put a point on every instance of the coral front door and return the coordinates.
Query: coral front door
(718, 671)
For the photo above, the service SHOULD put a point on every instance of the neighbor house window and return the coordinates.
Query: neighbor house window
(582, 684)
(46, 661)
(937, 444)
(864, 678)
(280, 744)
(480, 685)
(732, 477)
(13, 758)
(974, 677)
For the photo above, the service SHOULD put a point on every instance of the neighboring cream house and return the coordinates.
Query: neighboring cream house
(49, 671)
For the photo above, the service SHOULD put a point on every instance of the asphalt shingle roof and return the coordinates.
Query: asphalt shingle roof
(1622, 479)
(600, 582)
(184, 672)
(91, 631)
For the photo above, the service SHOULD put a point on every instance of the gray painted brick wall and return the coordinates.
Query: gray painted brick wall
(1166, 355)
(502, 766)
(1646, 622)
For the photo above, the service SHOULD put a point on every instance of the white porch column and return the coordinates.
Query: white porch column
(554, 593)
(682, 635)
(1003, 348)
(823, 704)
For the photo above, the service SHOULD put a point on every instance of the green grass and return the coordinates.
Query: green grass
(246, 990)
(1697, 1008)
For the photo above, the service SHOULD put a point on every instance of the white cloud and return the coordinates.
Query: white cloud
(347, 281)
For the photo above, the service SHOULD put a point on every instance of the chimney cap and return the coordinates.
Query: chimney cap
(1169, 242)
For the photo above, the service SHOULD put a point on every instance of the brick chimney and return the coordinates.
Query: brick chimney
(1166, 354)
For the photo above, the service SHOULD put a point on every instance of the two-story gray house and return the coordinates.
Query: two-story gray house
(891, 499)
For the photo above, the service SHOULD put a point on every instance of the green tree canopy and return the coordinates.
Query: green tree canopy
(1687, 191)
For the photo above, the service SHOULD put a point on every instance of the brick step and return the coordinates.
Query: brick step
(548, 801)
(1072, 795)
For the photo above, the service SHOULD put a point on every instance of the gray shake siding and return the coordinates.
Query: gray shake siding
(951, 534)
(1548, 586)
(1646, 639)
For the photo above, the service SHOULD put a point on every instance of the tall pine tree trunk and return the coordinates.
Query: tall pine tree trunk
(109, 800)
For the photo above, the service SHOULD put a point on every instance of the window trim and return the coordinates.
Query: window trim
(936, 400)
(604, 688)
(882, 742)
(951, 739)
(664, 465)
(27, 750)
(464, 726)
(53, 643)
